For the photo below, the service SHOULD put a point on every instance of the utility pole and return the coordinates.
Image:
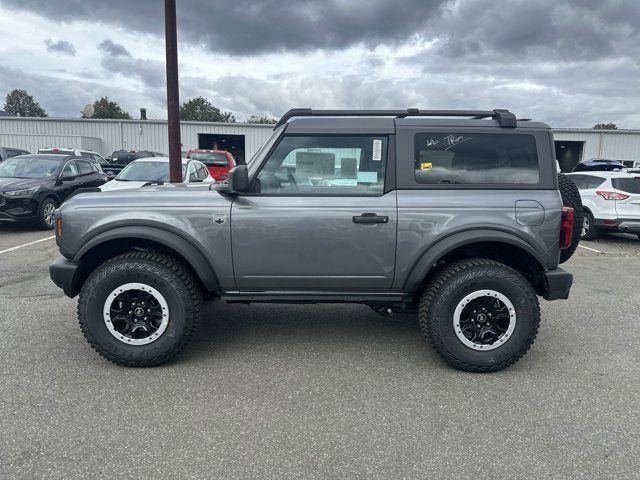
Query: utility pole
(173, 93)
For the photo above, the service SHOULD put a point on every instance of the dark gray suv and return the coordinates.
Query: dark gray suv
(453, 215)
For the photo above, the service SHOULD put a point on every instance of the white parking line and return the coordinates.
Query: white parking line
(26, 244)
(581, 246)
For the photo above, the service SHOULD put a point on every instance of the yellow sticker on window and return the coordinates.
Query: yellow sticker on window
(426, 166)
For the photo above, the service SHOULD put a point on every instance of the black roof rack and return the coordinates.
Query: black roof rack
(505, 117)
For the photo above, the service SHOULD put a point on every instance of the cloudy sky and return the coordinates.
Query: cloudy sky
(571, 63)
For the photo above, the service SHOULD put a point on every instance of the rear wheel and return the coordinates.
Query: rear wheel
(589, 231)
(479, 315)
(571, 198)
(140, 308)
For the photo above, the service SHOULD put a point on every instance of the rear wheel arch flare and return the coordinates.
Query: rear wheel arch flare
(500, 246)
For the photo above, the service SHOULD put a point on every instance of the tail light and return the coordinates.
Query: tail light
(612, 195)
(566, 227)
(223, 176)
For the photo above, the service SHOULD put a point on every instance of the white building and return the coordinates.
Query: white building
(243, 139)
(106, 136)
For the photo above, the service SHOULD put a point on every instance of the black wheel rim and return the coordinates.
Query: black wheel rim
(136, 314)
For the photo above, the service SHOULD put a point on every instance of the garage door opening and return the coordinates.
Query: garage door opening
(569, 154)
(233, 144)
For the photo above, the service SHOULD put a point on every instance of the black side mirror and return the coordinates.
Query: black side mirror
(68, 178)
(238, 179)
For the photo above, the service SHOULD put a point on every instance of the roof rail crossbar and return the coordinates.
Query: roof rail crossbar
(504, 117)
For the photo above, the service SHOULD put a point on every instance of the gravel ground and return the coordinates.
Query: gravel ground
(328, 391)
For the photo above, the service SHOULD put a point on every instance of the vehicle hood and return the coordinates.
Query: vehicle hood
(149, 197)
(118, 185)
(8, 184)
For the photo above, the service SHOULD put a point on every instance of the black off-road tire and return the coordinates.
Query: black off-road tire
(571, 198)
(44, 211)
(164, 273)
(591, 232)
(450, 285)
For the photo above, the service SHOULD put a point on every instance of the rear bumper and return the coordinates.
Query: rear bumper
(631, 225)
(557, 284)
(64, 273)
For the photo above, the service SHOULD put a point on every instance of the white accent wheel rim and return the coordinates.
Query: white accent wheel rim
(162, 308)
(461, 324)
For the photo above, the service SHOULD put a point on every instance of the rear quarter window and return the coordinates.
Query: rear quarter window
(470, 158)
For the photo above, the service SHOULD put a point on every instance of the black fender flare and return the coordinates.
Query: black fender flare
(449, 243)
(194, 257)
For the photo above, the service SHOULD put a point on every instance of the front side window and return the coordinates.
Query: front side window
(70, 170)
(470, 158)
(325, 165)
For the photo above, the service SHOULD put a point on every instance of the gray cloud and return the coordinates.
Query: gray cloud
(517, 27)
(113, 49)
(63, 98)
(567, 62)
(117, 59)
(61, 46)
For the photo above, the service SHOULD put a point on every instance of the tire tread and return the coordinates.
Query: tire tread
(193, 312)
(429, 325)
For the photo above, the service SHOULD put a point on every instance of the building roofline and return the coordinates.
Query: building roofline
(591, 130)
(111, 120)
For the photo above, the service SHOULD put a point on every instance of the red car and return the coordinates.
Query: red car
(218, 162)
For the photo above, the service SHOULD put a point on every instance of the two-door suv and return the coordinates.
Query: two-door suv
(454, 215)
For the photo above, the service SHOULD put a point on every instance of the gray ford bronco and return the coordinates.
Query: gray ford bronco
(456, 216)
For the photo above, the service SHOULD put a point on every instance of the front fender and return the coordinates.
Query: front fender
(190, 252)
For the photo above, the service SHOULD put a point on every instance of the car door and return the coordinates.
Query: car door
(319, 217)
(88, 174)
(69, 180)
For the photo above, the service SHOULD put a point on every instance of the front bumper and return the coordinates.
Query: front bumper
(18, 209)
(557, 284)
(64, 273)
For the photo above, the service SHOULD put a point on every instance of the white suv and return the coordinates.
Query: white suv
(89, 154)
(611, 202)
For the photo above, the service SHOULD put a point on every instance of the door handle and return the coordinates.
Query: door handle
(370, 218)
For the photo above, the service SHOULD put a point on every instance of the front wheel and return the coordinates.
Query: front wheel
(479, 315)
(140, 308)
(46, 218)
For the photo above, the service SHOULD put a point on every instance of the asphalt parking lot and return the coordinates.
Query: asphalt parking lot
(268, 391)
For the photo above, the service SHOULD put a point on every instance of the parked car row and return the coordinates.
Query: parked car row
(611, 202)
(32, 186)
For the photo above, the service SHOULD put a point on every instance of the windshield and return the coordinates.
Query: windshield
(217, 159)
(146, 172)
(31, 167)
(266, 146)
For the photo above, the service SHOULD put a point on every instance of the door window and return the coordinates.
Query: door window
(201, 171)
(336, 165)
(70, 170)
(84, 167)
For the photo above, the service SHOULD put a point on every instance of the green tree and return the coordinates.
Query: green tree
(605, 126)
(200, 109)
(261, 119)
(105, 108)
(21, 104)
